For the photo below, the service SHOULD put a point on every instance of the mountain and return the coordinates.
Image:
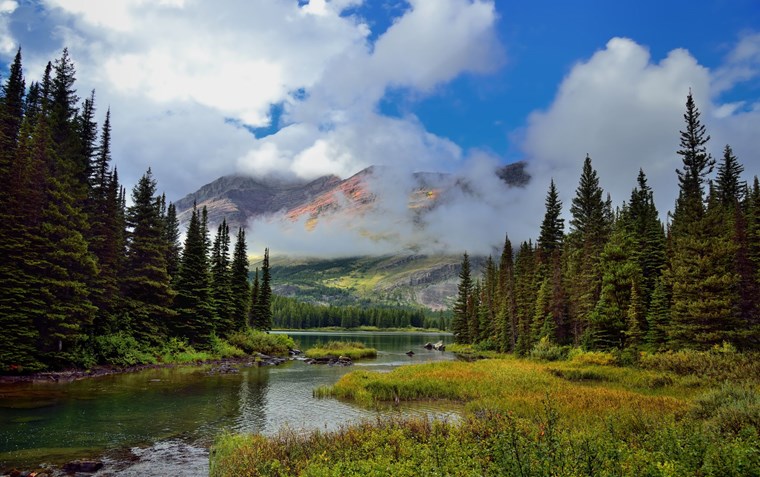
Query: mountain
(354, 209)
(240, 198)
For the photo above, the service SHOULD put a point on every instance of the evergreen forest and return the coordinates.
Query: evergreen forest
(621, 280)
(86, 278)
(290, 313)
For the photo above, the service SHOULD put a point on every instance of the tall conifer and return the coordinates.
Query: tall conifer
(460, 325)
(239, 286)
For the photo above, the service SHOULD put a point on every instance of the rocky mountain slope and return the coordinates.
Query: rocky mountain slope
(240, 199)
(403, 278)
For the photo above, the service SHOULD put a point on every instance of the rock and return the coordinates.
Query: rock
(428, 345)
(331, 361)
(439, 346)
(224, 368)
(295, 352)
(410, 353)
(85, 466)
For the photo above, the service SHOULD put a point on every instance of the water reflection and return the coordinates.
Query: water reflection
(252, 402)
(59, 422)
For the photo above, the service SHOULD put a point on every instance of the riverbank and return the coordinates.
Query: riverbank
(150, 422)
(674, 414)
(250, 348)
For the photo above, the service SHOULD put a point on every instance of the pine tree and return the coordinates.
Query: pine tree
(87, 131)
(145, 281)
(728, 185)
(635, 318)
(263, 316)
(552, 227)
(11, 117)
(697, 165)
(750, 269)
(488, 327)
(507, 300)
(619, 271)
(701, 275)
(253, 309)
(67, 267)
(704, 282)
(173, 246)
(193, 304)
(221, 293)
(643, 224)
(239, 286)
(460, 325)
(525, 296)
(589, 230)
(587, 208)
(657, 318)
(105, 236)
(473, 313)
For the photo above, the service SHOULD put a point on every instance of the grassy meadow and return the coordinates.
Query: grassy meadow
(673, 414)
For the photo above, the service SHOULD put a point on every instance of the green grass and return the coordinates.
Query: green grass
(584, 415)
(498, 443)
(334, 349)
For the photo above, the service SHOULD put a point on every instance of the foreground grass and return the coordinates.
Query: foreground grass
(581, 416)
(335, 349)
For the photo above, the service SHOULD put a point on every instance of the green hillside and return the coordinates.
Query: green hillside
(424, 280)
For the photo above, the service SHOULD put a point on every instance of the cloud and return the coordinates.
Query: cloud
(619, 105)
(184, 78)
(626, 111)
(7, 42)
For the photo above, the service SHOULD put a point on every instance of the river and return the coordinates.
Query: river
(162, 421)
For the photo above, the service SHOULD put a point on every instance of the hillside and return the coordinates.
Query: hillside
(429, 281)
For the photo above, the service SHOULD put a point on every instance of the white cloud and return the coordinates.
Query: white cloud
(7, 42)
(623, 110)
(742, 64)
(159, 63)
(626, 111)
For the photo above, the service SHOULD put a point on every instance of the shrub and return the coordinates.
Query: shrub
(252, 341)
(548, 351)
(730, 409)
(599, 358)
(222, 349)
(180, 351)
(121, 349)
(717, 365)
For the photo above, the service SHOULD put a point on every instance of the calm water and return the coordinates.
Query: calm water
(161, 421)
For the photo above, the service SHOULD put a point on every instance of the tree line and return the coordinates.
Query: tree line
(621, 279)
(79, 264)
(290, 313)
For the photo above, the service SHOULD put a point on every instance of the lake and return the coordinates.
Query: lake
(161, 421)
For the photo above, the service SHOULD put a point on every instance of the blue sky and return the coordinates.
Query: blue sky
(302, 88)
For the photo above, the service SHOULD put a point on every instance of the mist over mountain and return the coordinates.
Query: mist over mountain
(377, 211)
(381, 235)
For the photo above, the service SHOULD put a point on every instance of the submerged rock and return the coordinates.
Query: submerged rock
(84, 466)
(331, 361)
(266, 360)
